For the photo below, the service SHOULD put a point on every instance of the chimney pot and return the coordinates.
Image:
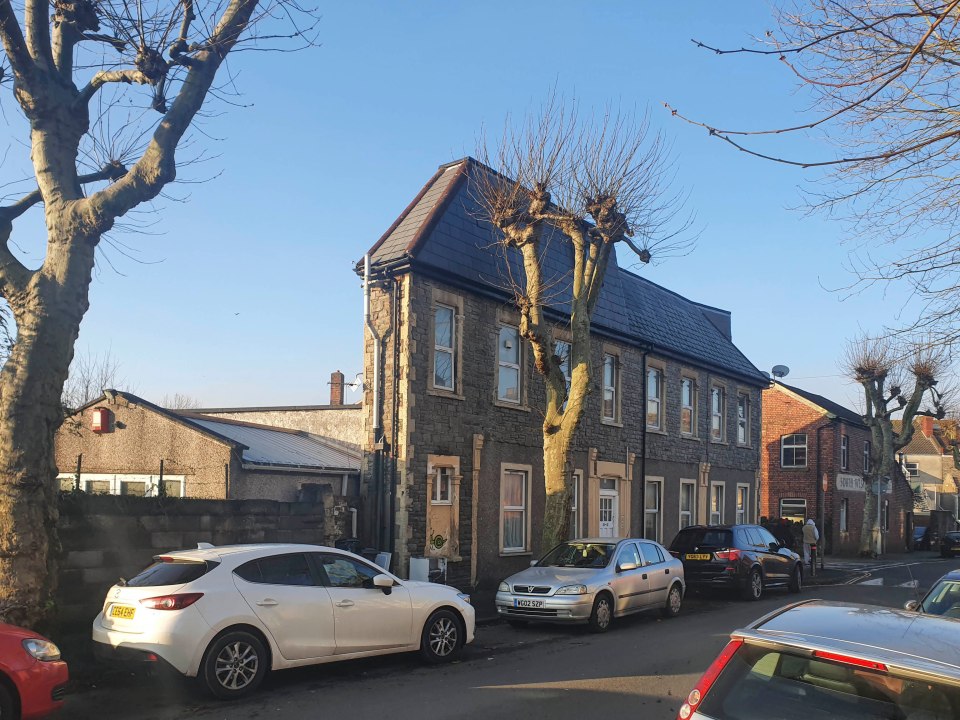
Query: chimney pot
(926, 425)
(336, 388)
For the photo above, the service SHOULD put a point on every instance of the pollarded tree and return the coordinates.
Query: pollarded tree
(593, 185)
(882, 75)
(67, 70)
(882, 369)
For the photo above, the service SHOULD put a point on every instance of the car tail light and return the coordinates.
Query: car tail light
(850, 660)
(171, 602)
(728, 555)
(707, 679)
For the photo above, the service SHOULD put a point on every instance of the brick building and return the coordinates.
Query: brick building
(815, 463)
(928, 463)
(453, 405)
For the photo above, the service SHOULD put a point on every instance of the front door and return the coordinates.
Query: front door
(609, 508)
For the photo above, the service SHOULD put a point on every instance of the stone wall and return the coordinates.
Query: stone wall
(106, 537)
(343, 423)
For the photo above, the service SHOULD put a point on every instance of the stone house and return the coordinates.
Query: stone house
(815, 463)
(670, 435)
(122, 444)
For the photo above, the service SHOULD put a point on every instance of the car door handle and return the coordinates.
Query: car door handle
(267, 602)
(644, 576)
(667, 571)
(345, 603)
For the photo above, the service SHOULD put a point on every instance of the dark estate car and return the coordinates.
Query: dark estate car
(950, 544)
(741, 557)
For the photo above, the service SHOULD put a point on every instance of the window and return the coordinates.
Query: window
(688, 406)
(654, 398)
(629, 555)
(688, 496)
(173, 488)
(562, 350)
(508, 379)
(288, 569)
(575, 523)
(911, 469)
(345, 572)
(743, 504)
(743, 419)
(444, 353)
(844, 509)
(794, 509)
(885, 516)
(133, 488)
(442, 483)
(844, 452)
(651, 510)
(793, 451)
(610, 387)
(866, 456)
(716, 504)
(718, 430)
(513, 511)
(652, 554)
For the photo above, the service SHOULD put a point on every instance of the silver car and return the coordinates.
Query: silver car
(594, 580)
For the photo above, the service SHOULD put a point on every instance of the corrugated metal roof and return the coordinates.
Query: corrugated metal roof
(264, 446)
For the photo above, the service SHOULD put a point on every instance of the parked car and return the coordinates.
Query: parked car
(594, 580)
(818, 659)
(33, 678)
(228, 615)
(746, 558)
(950, 544)
(920, 539)
(942, 599)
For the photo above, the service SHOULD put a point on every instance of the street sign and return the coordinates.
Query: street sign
(826, 482)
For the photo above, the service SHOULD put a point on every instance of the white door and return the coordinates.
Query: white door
(609, 513)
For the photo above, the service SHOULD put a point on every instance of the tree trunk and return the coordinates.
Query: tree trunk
(556, 516)
(48, 315)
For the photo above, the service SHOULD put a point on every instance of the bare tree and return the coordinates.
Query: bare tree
(90, 374)
(589, 185)
(882, 76)
(93, 162)
(883, 370)
(179, 401)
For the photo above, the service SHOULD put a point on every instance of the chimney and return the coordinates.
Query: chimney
(336, 388)
(926, 425)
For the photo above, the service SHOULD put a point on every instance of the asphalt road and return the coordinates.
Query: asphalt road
(642, 668)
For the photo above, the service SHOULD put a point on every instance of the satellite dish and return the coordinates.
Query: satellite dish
(780, 371)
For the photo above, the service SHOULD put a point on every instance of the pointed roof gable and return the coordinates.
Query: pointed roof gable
(444, 233)
(845, 414)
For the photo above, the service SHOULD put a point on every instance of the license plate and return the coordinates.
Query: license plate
(124, 612)
(697, 556)
(524, 603)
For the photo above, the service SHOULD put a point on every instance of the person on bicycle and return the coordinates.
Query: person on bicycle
(810, 537)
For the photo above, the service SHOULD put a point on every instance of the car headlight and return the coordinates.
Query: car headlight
(465, 597)
(42, 650)
(503, 587)
(572, 590)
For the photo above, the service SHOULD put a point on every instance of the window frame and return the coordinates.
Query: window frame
(692, 512)
(721, 486)
(911, 469)
(614, 389)
(794, 447)
(526, 472)
(657, 372)
(451, 350)
(718, 391)
(576, 504)
(435, 498)
(518, 366)
(746, 505)
(743, 422)
(844, 451)
(692, 407)
(657, 513)
(797, 502)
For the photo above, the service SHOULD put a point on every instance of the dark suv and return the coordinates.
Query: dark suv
(742, 557)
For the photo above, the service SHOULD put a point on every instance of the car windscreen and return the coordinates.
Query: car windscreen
(943, 599)
(170, 572)
(579, 555)
(760, 683)
(704, 538)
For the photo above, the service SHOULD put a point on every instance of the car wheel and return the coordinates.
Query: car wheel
(7, 706)
(796, 580)
(674, 600)
(442, 638)
(602, 614)
(754, 587)
(235, 664)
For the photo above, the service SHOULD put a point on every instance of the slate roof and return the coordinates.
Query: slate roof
(443, 233)
(919, 444)
(845, 414)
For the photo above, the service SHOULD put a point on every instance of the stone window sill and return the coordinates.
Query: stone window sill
(437, 392)
(511, 406)
(688, 436)
(611, 423)
(515, 553)
(656, 431)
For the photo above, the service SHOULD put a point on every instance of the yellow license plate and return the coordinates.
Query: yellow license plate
(697, 556)
(124, 612)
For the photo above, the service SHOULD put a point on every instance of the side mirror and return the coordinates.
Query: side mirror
(533, 563)
(623, 567)
(775, 547)
(912, 605)
(384, 582)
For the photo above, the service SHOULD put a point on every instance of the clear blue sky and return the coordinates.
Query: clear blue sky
(251, 299)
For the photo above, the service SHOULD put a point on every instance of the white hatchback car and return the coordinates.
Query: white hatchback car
(227, 615)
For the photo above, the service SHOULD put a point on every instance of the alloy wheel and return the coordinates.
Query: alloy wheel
(603, 613)
(443, 636)
(237, 665)
(675, 600)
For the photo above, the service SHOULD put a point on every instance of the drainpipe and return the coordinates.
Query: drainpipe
(821, 493)
(394, 432)
(643, 453)
(377, 419)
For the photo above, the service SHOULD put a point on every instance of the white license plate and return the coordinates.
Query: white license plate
(524, 603)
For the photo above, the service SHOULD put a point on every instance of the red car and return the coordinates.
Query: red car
(33, 678)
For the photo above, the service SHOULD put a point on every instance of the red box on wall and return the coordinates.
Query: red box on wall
(100, 420)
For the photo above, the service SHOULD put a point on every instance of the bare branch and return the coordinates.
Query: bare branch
(114, 76)
(14, 43)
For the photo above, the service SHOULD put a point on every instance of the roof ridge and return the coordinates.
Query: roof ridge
(239, 423)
